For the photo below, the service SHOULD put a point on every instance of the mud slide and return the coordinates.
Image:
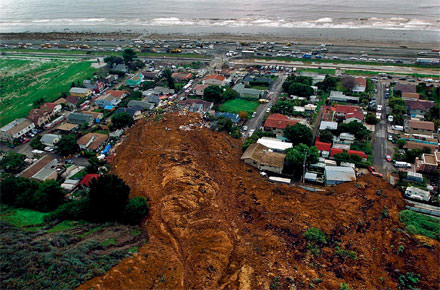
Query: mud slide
(216, 224)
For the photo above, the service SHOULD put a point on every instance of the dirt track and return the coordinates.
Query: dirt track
(216, 224)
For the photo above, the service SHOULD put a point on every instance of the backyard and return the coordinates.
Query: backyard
(24, 81)
(239, 105)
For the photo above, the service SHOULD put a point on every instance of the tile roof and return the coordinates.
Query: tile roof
(405, 88)
(99, 139)
(410, 95)
(215, 76)
(360, 81)
(322, 146)
(414, 104)
(262, 155)
(423, 125)
(278, 121)
(116, 93)
(73, 99)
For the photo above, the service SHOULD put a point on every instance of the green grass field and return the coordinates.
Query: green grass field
(22, 217)
(420, 224)
(24, 81)
(239, 105)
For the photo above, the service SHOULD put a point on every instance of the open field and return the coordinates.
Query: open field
(24, 81)
(239, 105)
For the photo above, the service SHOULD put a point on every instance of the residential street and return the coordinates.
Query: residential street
(379, 140)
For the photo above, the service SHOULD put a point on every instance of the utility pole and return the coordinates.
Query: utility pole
(304, 166)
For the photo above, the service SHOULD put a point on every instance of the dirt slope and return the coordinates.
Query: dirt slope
(216, 224)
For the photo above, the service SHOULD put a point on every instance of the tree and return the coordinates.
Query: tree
(213, 94)
(17, 191)
(300, 89)
(224, 124)
(128, 55)
(433, 113)
(36, 144)
(108, 198)
(371, 119)
(326, 136)
(328, 84)
(38, 102)
(67, 145)
(297, 155)
(48, 196)
(299, 133)
(348, 82)
(168, 75)
(230, 94)
(243, 115)
(355, 128)
(13, 162)
(122, 120)
(110, 60)
(135, 210)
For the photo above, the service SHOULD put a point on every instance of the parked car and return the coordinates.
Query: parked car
(390, 137)
(371, 169)
(254, 114)
(390, 118)
(377, 174)
(26, 140)
(388, 158)
(245, 128)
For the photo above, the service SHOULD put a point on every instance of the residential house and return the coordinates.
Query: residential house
(421, 146)
(420, 127)
(328, 125)
(39, 117)
(338, 174)
(337, 96)
(52, 108)
(214, 80)
(97, 86)
(235, 118)
(140, 104)
(80, 118)
(111, 98)
(92, 141)
(16, 129)
(199, 90)
(72, 101)
(428, 162)
(405, 88)
(410, 96)
(135, 80)
(50, 139)
(348, 113)
(97, 116)
(180, 77)
(259, 156)
(80, 92)
(417, 193)
(276, 123)
(119, 67)
(158, 91)
(275, 144)
(418, 107)
(195, 105)
(360, 84)
(111, 79)
(134, 112)
(316, 78)
(44, 169)
(151, 75)
(155, 100)
(323, 147)
(247, 92)
(265, 80)
(344, 138)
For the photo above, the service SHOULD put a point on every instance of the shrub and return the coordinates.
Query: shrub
(420, 224)
(344, 254)
(135, 210)
(408, 281)
(316, 235)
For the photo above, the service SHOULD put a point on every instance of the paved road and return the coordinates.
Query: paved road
(380, 134)
(256, 122)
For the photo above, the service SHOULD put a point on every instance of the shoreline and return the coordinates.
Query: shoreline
(248, 37)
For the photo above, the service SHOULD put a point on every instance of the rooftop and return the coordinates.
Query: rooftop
(278, 121)
(262, 155)
(274, 143)
(339, 173)
(423, 125)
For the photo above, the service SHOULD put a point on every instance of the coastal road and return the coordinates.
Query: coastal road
(256, 122)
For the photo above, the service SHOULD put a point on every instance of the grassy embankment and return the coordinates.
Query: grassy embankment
(24, 81)
(239, 105)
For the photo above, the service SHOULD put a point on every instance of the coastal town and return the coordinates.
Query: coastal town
(306, 126)
(190, 123)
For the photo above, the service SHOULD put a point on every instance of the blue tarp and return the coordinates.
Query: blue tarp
(106, 149)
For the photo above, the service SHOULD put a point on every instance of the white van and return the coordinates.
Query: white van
(401, 164)
(397, 128)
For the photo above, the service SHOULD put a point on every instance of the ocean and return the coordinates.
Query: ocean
(387, 19)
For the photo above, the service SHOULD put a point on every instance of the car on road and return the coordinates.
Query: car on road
(26, 140)
(268, 110)
(377, 174)
(251, 132)
(371, 169)
(378, 115)
(390, 137)
(68, 161)
(388, 158)
(254, 114)
(379, 108)
(390, 118)
(245, 128)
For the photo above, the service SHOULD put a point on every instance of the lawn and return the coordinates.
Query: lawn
(239, 105)
(22, 217)
(24, 81)
(420, 224)
(318, 70)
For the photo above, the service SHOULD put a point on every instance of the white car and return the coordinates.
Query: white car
(378, 115)
(390, 118)
(268, 110)
(251, 132)
(254, 114)
(245, 128)
(379, 108)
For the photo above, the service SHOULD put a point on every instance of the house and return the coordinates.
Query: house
(328, 125)
(70, 184)
(97, 116)
(111, 79)
(405, 88)
(276, 123)
(410, 96)
(153, 100)
(51, 108)
(264, 80)
(338, 174)
(417, 193)
(421, 146)
(199, 90)
(323, 147)
(50, 139)
(360, 84)
(39, 117)
(214, 80)
(16, 129)
(418, 107)
(80, 118)
(80, 92)
(92, 141)
(151, 75)
(235, 118)
(350, 152)
(420, 127)
(275, 144)
(44, 169)
(140, 104)
(428, 162)
(316, 78)
(87, 179)
(66, 127)
(180, 77)
(195, 105)
(134, 112)
(337, 96)
(135, 80)
(158, 91)
(348, 113)
(72, 101)
(119, 67)
(247, 92)
(111, 98)
(259, 156)
(344, 138)
(97, 86)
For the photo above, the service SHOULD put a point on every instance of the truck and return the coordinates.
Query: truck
(401, 164)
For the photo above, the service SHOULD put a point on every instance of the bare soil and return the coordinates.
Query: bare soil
(215, 223)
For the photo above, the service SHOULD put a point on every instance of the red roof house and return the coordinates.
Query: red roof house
(88, 179)
(278, 121)
(322, 146)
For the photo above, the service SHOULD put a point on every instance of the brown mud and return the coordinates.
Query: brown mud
(215, 223)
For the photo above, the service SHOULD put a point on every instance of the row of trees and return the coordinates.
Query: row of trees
(107, 200)
(298, 86)
(218, 95)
